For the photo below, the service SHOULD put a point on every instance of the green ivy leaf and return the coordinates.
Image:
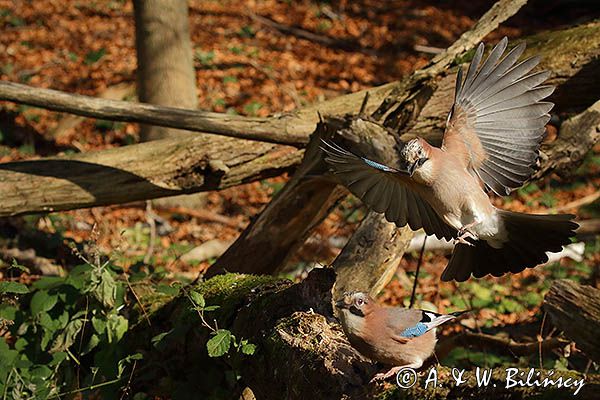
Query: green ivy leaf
(8, 312)
(99, 325)
(219, 344)
(57, 358)
(157, 340)
(198, 299)
(167, 289)
(91, 344)
(13, 287)
(41, 371)
(42, 301)
(48, 282)
(127, 360)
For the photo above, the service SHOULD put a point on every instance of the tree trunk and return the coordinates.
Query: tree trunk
(166, 74)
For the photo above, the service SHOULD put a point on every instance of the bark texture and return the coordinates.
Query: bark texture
(575, 309)
(576, 136)
(165, 71)
(159, 168)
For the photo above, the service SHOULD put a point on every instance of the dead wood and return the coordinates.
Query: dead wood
(575, 309)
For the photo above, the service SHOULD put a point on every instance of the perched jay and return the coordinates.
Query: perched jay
(402, 337)
(491, 141)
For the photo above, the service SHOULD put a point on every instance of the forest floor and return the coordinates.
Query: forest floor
(245, 66)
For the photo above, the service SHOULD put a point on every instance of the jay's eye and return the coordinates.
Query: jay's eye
(359, 302)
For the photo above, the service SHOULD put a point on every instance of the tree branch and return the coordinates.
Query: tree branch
(269, 130)
(500, 12)
(154, 169)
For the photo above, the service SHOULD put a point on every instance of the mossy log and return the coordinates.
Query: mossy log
(301, 350)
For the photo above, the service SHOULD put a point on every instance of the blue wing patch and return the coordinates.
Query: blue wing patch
(415, 331)
(377, 165)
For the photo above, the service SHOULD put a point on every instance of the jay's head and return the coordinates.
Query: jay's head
(357, 303)
(414, 155)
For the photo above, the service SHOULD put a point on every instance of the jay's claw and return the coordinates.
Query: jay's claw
(385, 375)
(464, 233)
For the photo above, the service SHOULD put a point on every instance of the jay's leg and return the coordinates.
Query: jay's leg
(464, 233)
(393, 371)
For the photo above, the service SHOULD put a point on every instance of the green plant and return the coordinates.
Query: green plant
(252, 108)
(222, 339)
(206, 58)
(64, 334)
(93, 57)
(247, 32)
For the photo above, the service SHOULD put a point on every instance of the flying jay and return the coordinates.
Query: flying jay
(400, 337)
(493, 133)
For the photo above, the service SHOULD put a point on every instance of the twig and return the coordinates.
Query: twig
(138, 300)
(500, 12)
(517, 348)
(585, 200)
(414, 289)
(206, 215)
(344, 44)
(427, 49)
(152, 223)
(540, 340)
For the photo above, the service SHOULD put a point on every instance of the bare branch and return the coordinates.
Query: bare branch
(269, 130)
(500, 12)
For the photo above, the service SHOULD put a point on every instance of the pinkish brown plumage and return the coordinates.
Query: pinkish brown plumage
(398, 337)
(491, 142)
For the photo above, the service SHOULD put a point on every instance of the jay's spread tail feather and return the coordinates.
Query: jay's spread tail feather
(529, 238)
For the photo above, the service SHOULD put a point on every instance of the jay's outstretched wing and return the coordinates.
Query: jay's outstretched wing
(498, 119)
(381, 189)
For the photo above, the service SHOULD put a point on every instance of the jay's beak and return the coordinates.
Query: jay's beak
(406, 168)
(410, 168)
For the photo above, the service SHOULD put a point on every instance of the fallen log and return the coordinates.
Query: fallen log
(575, 309)
(155, 169)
